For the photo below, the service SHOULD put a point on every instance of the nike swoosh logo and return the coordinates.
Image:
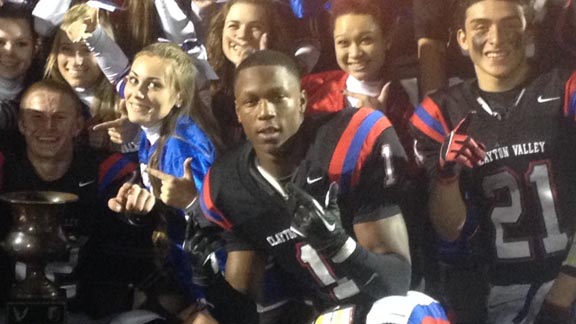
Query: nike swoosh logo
(85, 183)
(329, 227)
(320, 210)
(311, 181)
(543, 100)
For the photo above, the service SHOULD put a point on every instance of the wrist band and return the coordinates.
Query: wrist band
(345, 251)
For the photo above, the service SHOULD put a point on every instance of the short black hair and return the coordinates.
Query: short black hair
(269, 58)
(18, 11)
(463, 6)
(55, 86)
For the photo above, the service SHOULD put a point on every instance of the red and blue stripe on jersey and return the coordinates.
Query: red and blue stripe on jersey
(115, 167)
(355, 145)
(570, 98)
(209, 208)
(428, 119)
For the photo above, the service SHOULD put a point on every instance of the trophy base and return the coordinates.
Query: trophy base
(36, 312)
(35, 287)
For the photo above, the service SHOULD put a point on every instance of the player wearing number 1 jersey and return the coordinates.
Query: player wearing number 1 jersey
(498, 148)
(276, 196)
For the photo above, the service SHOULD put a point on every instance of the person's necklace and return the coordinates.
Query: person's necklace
(494, 113)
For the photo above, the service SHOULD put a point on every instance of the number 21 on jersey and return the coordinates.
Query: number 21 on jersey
(537, 180)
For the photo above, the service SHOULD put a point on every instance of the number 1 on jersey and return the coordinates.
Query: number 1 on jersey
(320, 270)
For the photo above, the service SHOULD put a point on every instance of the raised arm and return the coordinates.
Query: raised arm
(445, 153)
(175, 24)
(48, 14)
(377, 261)
(110, 57)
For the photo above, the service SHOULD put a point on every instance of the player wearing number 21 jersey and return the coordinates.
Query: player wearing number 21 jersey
(357, 149)
(522, 193)
(499, 150)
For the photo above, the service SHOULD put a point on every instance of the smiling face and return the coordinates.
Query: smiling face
(495, 37)
(270, 106)
(49, 122)
(244, 25)
(77, 64)
(360, 46)
(17, 47)
(149, 93)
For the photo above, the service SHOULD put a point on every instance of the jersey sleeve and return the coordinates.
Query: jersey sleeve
(380, 166)
(570, 98)
(429, 128)
(113, 171)
(190, 142)
(112, 61)
(208, 197)
(201, 162)
(208, 204)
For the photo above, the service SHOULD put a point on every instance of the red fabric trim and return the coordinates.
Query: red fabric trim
(337, 161)
(368, 146)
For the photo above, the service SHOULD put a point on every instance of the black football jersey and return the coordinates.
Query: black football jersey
(522, 196)
(358, 149)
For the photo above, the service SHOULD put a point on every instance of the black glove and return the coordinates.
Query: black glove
(201, 248)
(319, 225)
(460, 150)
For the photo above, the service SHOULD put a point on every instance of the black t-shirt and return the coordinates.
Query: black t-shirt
(105, 256)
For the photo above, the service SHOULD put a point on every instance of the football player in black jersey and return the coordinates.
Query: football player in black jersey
(319, 196)
(497, 149)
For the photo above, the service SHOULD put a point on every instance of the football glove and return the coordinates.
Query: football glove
(460, 150)
(319, 225)
(201, 248)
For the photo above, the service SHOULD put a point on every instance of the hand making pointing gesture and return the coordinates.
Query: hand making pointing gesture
(176, 192)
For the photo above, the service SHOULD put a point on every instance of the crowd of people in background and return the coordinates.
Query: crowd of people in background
(297, 161)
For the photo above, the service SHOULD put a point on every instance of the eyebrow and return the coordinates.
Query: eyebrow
(255, 91)
(364, 33)
(484, 20)
(257, 21)
(133, 73)
(32, 110)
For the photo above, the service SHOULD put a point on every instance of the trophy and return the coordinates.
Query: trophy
(35, 238)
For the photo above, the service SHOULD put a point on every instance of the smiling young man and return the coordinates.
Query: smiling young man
(317, 195)
(497, 150)
(105, 257)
